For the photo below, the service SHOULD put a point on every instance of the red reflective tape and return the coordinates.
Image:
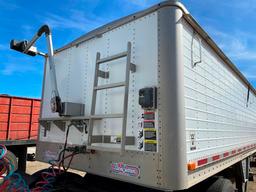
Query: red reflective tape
(216, 157)
(202, 162)
(226, 154)
(149, 120)
(148, 112)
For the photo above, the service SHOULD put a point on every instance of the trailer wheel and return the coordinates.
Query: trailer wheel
(221, 185)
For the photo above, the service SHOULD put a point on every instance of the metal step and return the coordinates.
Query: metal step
(111, 58)
(105, 116)
(108, 86)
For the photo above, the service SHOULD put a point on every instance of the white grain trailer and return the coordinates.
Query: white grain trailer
(153, 99)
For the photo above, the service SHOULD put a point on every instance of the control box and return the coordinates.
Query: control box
(147, 98)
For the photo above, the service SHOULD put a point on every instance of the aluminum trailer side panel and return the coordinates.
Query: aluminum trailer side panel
(220, 116)
(203, 115)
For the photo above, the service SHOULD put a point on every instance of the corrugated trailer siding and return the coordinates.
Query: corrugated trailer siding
(217, 117)
(18, 118)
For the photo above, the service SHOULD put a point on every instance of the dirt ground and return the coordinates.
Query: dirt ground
(252, 185)
(34, 166)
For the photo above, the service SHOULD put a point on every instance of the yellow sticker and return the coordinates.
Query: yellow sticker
(149, 129)
(150, 141)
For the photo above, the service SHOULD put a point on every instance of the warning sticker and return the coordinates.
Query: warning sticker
(124, 169)
(192, 141)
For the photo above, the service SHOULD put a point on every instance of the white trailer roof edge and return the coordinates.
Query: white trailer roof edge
(189, 18)
(96, 33)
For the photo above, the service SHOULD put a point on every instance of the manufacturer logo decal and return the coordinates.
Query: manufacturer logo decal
(124, 169)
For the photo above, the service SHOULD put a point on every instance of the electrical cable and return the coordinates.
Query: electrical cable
(10, 181)
(3, 151)
(14, 182)
(57, 167)
(65, 146)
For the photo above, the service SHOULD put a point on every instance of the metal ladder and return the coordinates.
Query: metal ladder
(98, 73)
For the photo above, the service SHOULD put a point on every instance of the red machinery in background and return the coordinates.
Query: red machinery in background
(19, 125)
(18, 118)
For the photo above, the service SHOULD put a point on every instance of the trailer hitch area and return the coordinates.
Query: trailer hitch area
(77, 149)
(80, 150)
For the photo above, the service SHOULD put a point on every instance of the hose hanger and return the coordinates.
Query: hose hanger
(195, 36)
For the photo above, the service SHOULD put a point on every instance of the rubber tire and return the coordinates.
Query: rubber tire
(221, 185)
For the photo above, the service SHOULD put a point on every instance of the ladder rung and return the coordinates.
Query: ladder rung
(108, 86)
(113, 57)
(106, 116)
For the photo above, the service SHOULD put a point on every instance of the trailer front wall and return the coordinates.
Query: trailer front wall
(75, 68)
(220, 116)
(75, 73)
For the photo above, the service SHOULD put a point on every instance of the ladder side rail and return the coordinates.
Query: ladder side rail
(126, 94)
(94, 98)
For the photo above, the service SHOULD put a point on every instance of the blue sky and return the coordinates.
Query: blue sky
(230, 23)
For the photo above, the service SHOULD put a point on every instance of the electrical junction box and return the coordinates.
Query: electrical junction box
(147, 97)
(72, 109)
